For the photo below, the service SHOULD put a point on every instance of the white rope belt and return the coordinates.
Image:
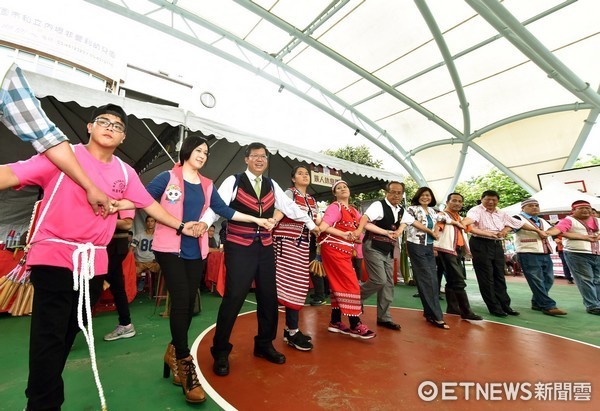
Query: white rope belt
(83, 271)
(336, 240)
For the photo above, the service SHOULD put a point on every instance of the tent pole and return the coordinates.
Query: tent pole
(158, 141)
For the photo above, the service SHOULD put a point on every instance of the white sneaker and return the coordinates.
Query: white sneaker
(122, 331)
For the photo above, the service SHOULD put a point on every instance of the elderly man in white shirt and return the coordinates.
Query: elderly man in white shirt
(387, 220)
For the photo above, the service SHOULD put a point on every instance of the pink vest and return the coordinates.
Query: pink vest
(165, 238)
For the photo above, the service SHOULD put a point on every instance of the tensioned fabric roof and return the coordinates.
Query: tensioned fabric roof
(427, 81)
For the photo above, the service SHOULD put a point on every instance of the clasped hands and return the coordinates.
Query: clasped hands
(457, 224)
(194, 228)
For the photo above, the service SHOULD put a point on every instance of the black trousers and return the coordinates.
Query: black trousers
(182, 278)
(246, 264)
(53, 330)
(488, 262)
(117, 286)
(454, 269)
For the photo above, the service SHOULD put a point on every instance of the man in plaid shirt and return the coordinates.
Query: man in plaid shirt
(21, 113)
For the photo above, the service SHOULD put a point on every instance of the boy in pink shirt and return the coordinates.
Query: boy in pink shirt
(21, 112)
(69, 232)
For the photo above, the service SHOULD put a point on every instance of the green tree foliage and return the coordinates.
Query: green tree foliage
(510, 192)
(360, 155)
(589, 160)
(410, 188)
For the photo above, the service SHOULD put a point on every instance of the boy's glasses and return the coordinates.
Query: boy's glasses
(106, 123)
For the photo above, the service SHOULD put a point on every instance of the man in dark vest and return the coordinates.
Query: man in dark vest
(387, 220)
(249, 256)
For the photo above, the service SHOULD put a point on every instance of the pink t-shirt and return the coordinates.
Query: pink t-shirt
(565, 224)
(70, 216)
(333, 214)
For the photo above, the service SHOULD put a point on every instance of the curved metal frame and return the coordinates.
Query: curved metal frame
(491, 10)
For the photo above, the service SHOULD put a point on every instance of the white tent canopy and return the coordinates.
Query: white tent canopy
(65, 92)
(70, 107)
(556, 198)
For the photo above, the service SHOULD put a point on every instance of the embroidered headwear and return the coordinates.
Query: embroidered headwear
(335, 185)
(529, 201)
(580, 203)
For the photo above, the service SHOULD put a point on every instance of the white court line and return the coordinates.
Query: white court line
(208, 389)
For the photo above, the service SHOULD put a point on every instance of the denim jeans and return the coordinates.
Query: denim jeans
(539, 272)
(585, 268)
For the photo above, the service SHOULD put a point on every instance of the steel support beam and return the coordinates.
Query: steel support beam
(503, 122)
(328, 13)
(529, 114)
(589, 123)
(503, 168)
(441, 43)
(399, 154)
(467, 51)
(460, 91)
(283, 25)
(507, 25)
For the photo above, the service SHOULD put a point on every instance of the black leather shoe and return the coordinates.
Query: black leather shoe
(270, 354)
(471, 316)
(389, 324)
(499, 313)
(221, 364)
(510, 311)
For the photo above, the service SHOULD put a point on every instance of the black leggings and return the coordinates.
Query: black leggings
(182, 278)
(336, 317)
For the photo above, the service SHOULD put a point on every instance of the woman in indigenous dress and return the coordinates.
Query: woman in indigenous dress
(292, 239)
(420, 251)
(186, 194)
(340, 230)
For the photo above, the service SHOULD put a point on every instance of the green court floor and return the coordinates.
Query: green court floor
(131, 370)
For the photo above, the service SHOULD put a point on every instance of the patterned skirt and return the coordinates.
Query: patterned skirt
(291, 273)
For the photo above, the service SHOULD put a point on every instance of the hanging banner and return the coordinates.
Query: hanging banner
(324, 176)
(30, 31)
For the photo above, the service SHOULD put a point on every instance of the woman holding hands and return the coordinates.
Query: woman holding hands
(340, 229)
(292, 240)
(420, 251)
(186, 194)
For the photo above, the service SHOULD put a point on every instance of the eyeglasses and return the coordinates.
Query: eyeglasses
(106, 123)
(258, 157)
(396, 193)
(205, 153)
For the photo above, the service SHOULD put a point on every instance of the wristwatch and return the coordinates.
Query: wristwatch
(180, 229)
